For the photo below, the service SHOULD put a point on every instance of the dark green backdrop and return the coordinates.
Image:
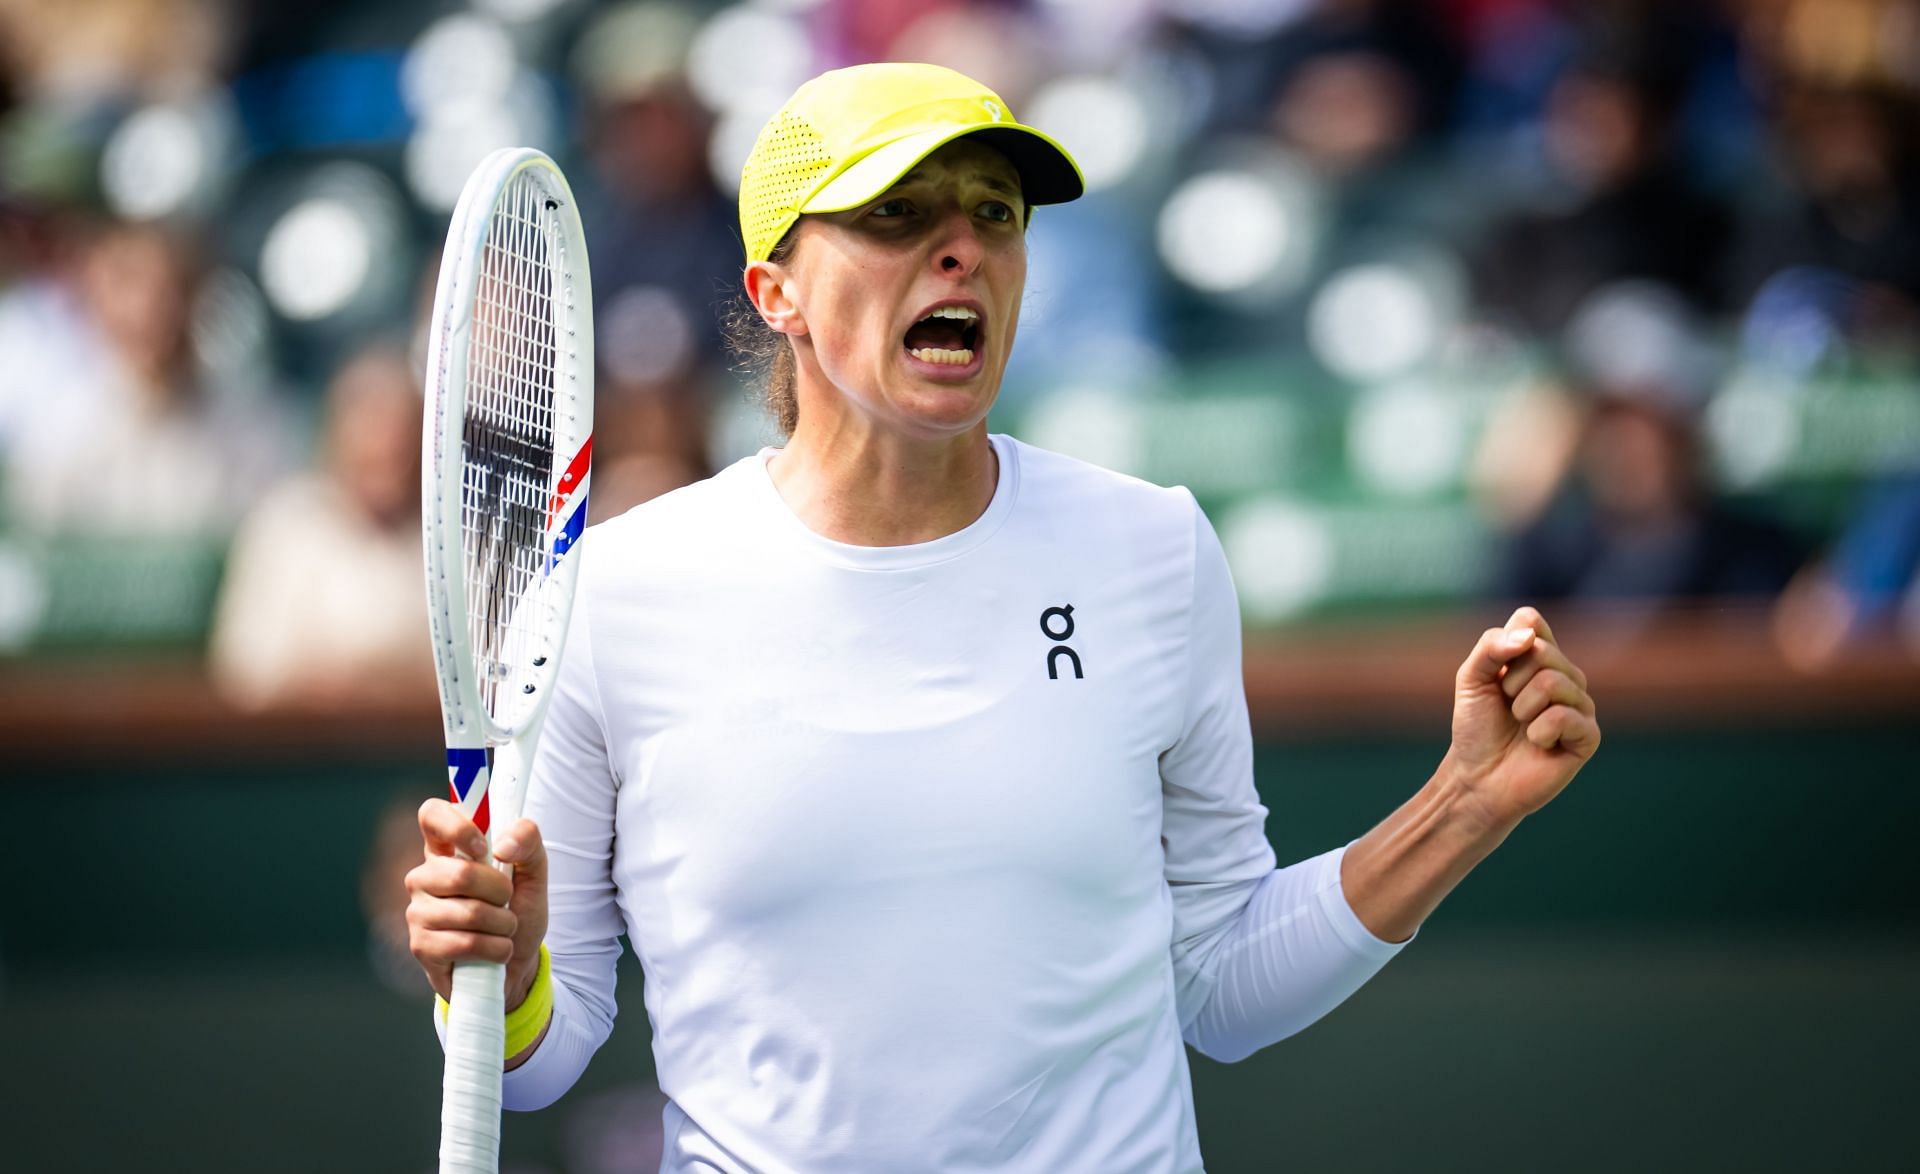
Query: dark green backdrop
(1703, 956)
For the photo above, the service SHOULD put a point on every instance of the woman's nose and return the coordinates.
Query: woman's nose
(960, 249)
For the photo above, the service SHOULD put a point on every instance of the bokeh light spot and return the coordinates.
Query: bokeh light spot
(458, 60)
(1407, 439)
(1373, 321)
(316, 258)
(1227, 231)
(1098, 120)
(748, 58)
(157, 161)
(1282, 556)
(1752, 430)
(449, 144)
(1093, 424)
(645, 335)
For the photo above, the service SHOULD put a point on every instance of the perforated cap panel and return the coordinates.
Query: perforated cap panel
(789, 160)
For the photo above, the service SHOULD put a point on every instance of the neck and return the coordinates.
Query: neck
(872, 488)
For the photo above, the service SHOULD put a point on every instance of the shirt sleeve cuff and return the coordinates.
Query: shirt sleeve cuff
(547, 1073)
(1340, 914)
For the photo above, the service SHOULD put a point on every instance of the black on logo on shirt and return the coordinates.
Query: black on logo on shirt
(1057, 623)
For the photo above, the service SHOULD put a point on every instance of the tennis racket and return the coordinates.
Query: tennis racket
(507, 449)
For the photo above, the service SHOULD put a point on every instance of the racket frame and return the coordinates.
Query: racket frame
(488, 759)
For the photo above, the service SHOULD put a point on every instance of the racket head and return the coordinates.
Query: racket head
(507, 444)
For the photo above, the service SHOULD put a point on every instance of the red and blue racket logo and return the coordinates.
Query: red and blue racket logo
(567, 516)
(468, 769)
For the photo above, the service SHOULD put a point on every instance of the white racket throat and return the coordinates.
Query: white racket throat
(507, 455)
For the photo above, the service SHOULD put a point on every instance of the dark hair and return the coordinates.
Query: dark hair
(766, 353)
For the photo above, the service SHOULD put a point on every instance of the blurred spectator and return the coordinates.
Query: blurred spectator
(648, 440)
(1361, 91)
(991, 40)
(1635, 522)
(56, 374)
(1841, 239)
(1359, 81)
(1829, 42)
(1362, 117)
(664, 240)
(1526, 454)
(105, 50)
(1347, 112)
(1621, 204)
(1866, 588)
(322, 602)
(1261, 50)
(1585, 157)
(120, 431)
(666, 249)
(1514, 50)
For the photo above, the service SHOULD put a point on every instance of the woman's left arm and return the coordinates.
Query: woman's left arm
(1259, 953)
(1523, 726)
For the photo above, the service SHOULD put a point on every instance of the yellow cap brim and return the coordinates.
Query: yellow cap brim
(1048, 174)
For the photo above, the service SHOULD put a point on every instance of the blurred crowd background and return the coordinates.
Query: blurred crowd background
(1428, 302)
(1612, 307)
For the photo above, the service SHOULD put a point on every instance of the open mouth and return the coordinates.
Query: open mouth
(947, 336)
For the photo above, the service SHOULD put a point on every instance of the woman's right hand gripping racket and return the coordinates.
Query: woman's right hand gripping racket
(508, 443)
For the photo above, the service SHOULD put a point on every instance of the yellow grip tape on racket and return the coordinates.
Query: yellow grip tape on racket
(529, 1019)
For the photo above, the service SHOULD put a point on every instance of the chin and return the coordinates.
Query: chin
(942, 411)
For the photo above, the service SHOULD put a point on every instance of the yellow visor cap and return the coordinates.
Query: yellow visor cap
(850, 134)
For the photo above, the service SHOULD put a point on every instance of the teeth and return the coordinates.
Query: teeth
(960, 313)
(928, 354)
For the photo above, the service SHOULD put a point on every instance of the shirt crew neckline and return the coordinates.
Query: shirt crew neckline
(912, 555)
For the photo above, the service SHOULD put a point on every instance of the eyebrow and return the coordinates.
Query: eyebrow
(991, 182)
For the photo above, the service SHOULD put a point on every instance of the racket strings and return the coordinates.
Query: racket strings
(508, 438)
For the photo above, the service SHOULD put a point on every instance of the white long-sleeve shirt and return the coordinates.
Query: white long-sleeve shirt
(924, 871)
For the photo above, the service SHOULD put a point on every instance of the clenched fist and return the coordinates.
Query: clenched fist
(1523, 722)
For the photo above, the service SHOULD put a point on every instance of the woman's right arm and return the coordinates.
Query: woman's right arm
(563, 891)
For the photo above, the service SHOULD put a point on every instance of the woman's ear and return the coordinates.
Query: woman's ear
(767, 284)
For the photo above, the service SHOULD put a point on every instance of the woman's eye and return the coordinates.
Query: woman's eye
(995, 210)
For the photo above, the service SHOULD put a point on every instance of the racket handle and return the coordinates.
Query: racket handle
(470, 1094)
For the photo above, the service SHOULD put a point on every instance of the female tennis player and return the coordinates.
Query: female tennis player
(915, 760)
